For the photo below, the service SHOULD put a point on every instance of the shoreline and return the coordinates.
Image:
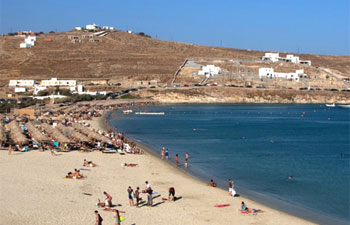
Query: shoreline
(310, 215)
(102, 124)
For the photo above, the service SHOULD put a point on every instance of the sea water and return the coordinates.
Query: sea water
(259, 147)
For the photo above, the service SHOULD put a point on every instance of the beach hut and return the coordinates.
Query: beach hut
(90, 133)
(55, 134)
(16, 134)
(36, 134)
(71, 133)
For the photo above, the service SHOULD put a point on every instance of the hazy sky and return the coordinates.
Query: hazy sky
(305, 26)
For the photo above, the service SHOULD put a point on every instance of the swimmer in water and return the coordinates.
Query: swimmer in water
(290, 178)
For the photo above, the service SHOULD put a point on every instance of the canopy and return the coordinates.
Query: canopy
(90, 133)
(70, 132)
(36, 134)
(55, 134)
(16, 133)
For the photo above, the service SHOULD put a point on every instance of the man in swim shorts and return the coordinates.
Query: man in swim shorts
(131, 196)
(166, 154)
(177, 160)
(137, 196)
(186, 159)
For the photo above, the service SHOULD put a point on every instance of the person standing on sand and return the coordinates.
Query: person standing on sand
(137, 195)
(149, 192)
(177, 160)
(231, 191)
(10, 149)
(131, 196)
(186, 159)
(98, 218)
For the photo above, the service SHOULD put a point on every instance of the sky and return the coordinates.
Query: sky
(299, 26)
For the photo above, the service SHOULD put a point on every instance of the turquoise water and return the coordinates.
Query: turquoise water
(259, 147)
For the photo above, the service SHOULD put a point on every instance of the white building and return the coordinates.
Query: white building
(274, 57)
(209, 70)
(107, 28)
(92, 27)
(28, 42)
(78, 28)
(292, 58)
(20, 89)
(21, 83)
(54, 82)
(270, 73)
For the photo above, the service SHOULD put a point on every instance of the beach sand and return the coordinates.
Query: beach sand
(33, 191)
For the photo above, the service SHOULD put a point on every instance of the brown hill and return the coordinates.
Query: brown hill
(120, 56)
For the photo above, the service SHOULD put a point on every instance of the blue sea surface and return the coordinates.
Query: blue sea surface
(259, 147)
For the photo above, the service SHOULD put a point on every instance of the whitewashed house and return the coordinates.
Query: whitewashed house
(78, 28)
(274, 57)
(292, 58)
(91, 27)
(21, 83)
(20, 89)
(270, 73)
(209, 70)
(28, 42)
(107, 28)
(54, 82)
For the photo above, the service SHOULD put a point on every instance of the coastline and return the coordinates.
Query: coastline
(102, 124)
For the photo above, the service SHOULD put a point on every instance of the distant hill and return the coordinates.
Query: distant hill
(119, 55)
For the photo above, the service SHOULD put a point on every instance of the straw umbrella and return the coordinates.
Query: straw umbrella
(55, 134)
(36, 134)
(70, 132)
(16, 134)
(90, 133)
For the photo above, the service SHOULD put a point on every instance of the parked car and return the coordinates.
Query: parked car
(303, 88)
(186, 85)
(346, 90)
(334, 89)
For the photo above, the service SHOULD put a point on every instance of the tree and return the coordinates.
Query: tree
(51, 32)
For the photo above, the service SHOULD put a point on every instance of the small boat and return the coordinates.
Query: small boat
(330, 105)
(344, 106)
(150, 113)
(127, 111)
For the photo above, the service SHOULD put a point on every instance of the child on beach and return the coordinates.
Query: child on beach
(131, 196)
(162, 153)
(108, 201)
(117, 216)
(231, 191)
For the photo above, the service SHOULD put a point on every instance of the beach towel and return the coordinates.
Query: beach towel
(221, 206)
(84, 169)
(109, 151)
(164, 199)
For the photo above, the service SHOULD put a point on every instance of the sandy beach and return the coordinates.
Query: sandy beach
(33, 191)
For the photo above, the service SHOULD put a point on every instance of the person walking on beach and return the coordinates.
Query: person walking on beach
(98, 218)
(166, 154)
(186, 160)
(117, 216)
(131, 196)
(137, 196)
(149, 192)
(177, 160)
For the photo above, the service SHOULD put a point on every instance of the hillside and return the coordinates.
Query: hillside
(120, 56)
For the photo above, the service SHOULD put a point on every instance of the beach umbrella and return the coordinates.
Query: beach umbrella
(71, 133)
(36, 134)
(90, 133)
(55, 134)
(16, 133)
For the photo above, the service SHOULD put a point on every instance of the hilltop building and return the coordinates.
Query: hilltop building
(28, 42)
(54, 82)
(91, 27)
(21, 83)
(209, 70)
(270, 73)
(274, 57)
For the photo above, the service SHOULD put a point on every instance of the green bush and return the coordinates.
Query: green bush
(129, 96)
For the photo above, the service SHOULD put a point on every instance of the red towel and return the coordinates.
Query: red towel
(221, 206)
